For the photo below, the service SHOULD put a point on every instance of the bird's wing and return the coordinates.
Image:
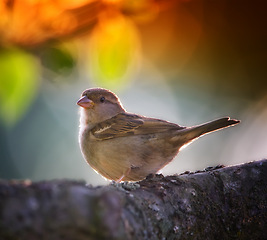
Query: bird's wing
(126, 124)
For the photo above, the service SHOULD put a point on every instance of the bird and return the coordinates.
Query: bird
(123, 146)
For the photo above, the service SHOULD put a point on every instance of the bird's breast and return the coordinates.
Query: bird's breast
(144, 154)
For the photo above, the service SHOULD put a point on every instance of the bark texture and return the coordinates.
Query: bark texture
(223, 203)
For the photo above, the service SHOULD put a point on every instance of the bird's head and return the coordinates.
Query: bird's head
(99, 104)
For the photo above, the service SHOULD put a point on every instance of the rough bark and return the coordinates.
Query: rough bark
(224, 203)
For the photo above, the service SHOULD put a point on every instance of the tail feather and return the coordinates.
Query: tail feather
(214, 125)
(190, 133)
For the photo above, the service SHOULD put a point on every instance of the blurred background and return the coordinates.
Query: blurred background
(186, 61)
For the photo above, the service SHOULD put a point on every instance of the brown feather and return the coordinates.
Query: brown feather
(125, 124)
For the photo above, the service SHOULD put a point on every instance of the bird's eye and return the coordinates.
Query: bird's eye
(102, 99)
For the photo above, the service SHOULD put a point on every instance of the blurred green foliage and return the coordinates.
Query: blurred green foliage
(18, 83)
(57, 59)
(113, 52)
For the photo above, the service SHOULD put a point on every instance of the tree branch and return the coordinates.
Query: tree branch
(224, 203)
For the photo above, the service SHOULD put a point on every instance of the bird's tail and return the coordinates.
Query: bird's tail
(189, 134)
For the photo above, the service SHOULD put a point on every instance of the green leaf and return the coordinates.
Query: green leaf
(114, 50)
(57, 59)
(18, 84)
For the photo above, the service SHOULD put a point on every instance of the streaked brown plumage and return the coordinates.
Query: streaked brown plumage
(127, 147)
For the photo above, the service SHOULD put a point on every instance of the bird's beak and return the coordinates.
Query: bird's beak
(85, 102)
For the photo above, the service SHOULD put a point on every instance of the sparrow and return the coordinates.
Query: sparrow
(122, 146)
